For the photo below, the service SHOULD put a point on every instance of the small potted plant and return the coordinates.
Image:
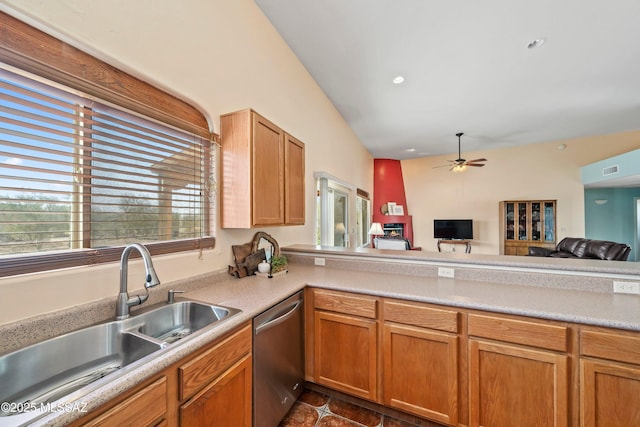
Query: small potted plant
(278, 263)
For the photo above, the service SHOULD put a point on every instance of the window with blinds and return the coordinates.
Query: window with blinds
(79, 174)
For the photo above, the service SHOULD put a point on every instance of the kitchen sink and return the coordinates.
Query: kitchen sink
(174, 321)
(44, 372)
(61, 368)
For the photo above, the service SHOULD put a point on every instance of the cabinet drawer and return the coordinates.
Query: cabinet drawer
(199, 371)
(607, 345)
(420, 315)
(340, 302)
(144, 408)
(534, 334)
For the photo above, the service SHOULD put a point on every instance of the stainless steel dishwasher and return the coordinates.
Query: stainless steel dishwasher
(278, 360)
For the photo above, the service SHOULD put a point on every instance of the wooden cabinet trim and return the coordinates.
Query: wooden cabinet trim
(420, 315)
(356, 305)
(200, 370)
(153, 398)
(607, 345)
(535, 334)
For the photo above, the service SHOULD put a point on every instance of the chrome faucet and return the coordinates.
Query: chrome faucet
(124, 302)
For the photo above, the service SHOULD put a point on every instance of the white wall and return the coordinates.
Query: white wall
(530, 172)
(223, 56)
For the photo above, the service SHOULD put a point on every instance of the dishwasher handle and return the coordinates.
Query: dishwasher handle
(278, 320)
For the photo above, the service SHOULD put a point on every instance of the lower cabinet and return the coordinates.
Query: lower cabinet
(224, 402)
(609, 379)
(346, 345)
(457, 367)
(516, 386)
(210, 387)
(217, 384)
(522, 380)
(145, 407)
(420, 360)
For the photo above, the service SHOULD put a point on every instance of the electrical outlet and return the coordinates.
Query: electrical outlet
(446, 272)
(319, 261)
(626, 287)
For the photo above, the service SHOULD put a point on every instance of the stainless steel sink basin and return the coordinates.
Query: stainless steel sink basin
(61, 369)
(174, 321)
(47, 371)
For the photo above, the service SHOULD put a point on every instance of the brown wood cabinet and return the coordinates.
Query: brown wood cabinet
(226, 401)
(210, 387)
(346, 343)
(420, 360)
(527, 223)
(609, 379)
(294, 203)
(262, 178)
(510, 384)
(145, 407)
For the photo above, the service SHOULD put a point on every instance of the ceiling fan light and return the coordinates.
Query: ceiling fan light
(459, 168)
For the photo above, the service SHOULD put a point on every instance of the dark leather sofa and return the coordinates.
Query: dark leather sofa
(575, 247)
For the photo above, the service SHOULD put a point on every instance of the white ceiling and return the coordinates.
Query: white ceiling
(467, 69)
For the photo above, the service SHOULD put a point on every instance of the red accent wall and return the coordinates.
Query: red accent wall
(388, 186)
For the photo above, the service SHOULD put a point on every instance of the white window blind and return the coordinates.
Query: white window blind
(78, 174)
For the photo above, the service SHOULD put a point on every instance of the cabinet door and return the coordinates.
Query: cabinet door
(421, 372)
(147, 407)
(609, 394)
(511, 385)
(268, 172)
(226, 402)
(345, 353)
(294, 181)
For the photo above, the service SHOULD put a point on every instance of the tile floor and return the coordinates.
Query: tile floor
(315, 409)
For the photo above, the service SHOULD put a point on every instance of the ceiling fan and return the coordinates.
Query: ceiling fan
(460, 164)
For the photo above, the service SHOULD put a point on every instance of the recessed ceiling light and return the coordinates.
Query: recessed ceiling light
(398, 80)
(535, 43)
(411, 150)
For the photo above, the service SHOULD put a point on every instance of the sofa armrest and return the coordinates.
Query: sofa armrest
(539, 251)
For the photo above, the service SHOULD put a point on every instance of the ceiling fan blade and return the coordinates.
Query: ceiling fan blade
(441, 166)
(478, 165)
(477, 160)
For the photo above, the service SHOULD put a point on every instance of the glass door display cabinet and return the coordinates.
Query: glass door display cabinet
(527, 223)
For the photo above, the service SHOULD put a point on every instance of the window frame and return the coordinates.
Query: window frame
(28, 49)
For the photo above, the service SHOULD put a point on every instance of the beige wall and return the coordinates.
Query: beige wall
(222, 55)
(539, 171)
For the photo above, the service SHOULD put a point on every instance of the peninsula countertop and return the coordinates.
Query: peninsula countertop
(255, 294)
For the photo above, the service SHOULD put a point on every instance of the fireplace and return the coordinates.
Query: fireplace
(394, 229)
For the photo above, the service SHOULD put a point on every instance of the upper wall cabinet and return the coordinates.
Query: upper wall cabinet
(262, 180)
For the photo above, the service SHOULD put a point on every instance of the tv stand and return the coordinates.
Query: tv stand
(467, 244)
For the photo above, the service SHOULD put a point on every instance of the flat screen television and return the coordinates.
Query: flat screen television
(453, 229)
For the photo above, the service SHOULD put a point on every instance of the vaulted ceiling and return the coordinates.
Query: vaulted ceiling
(467, 67)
